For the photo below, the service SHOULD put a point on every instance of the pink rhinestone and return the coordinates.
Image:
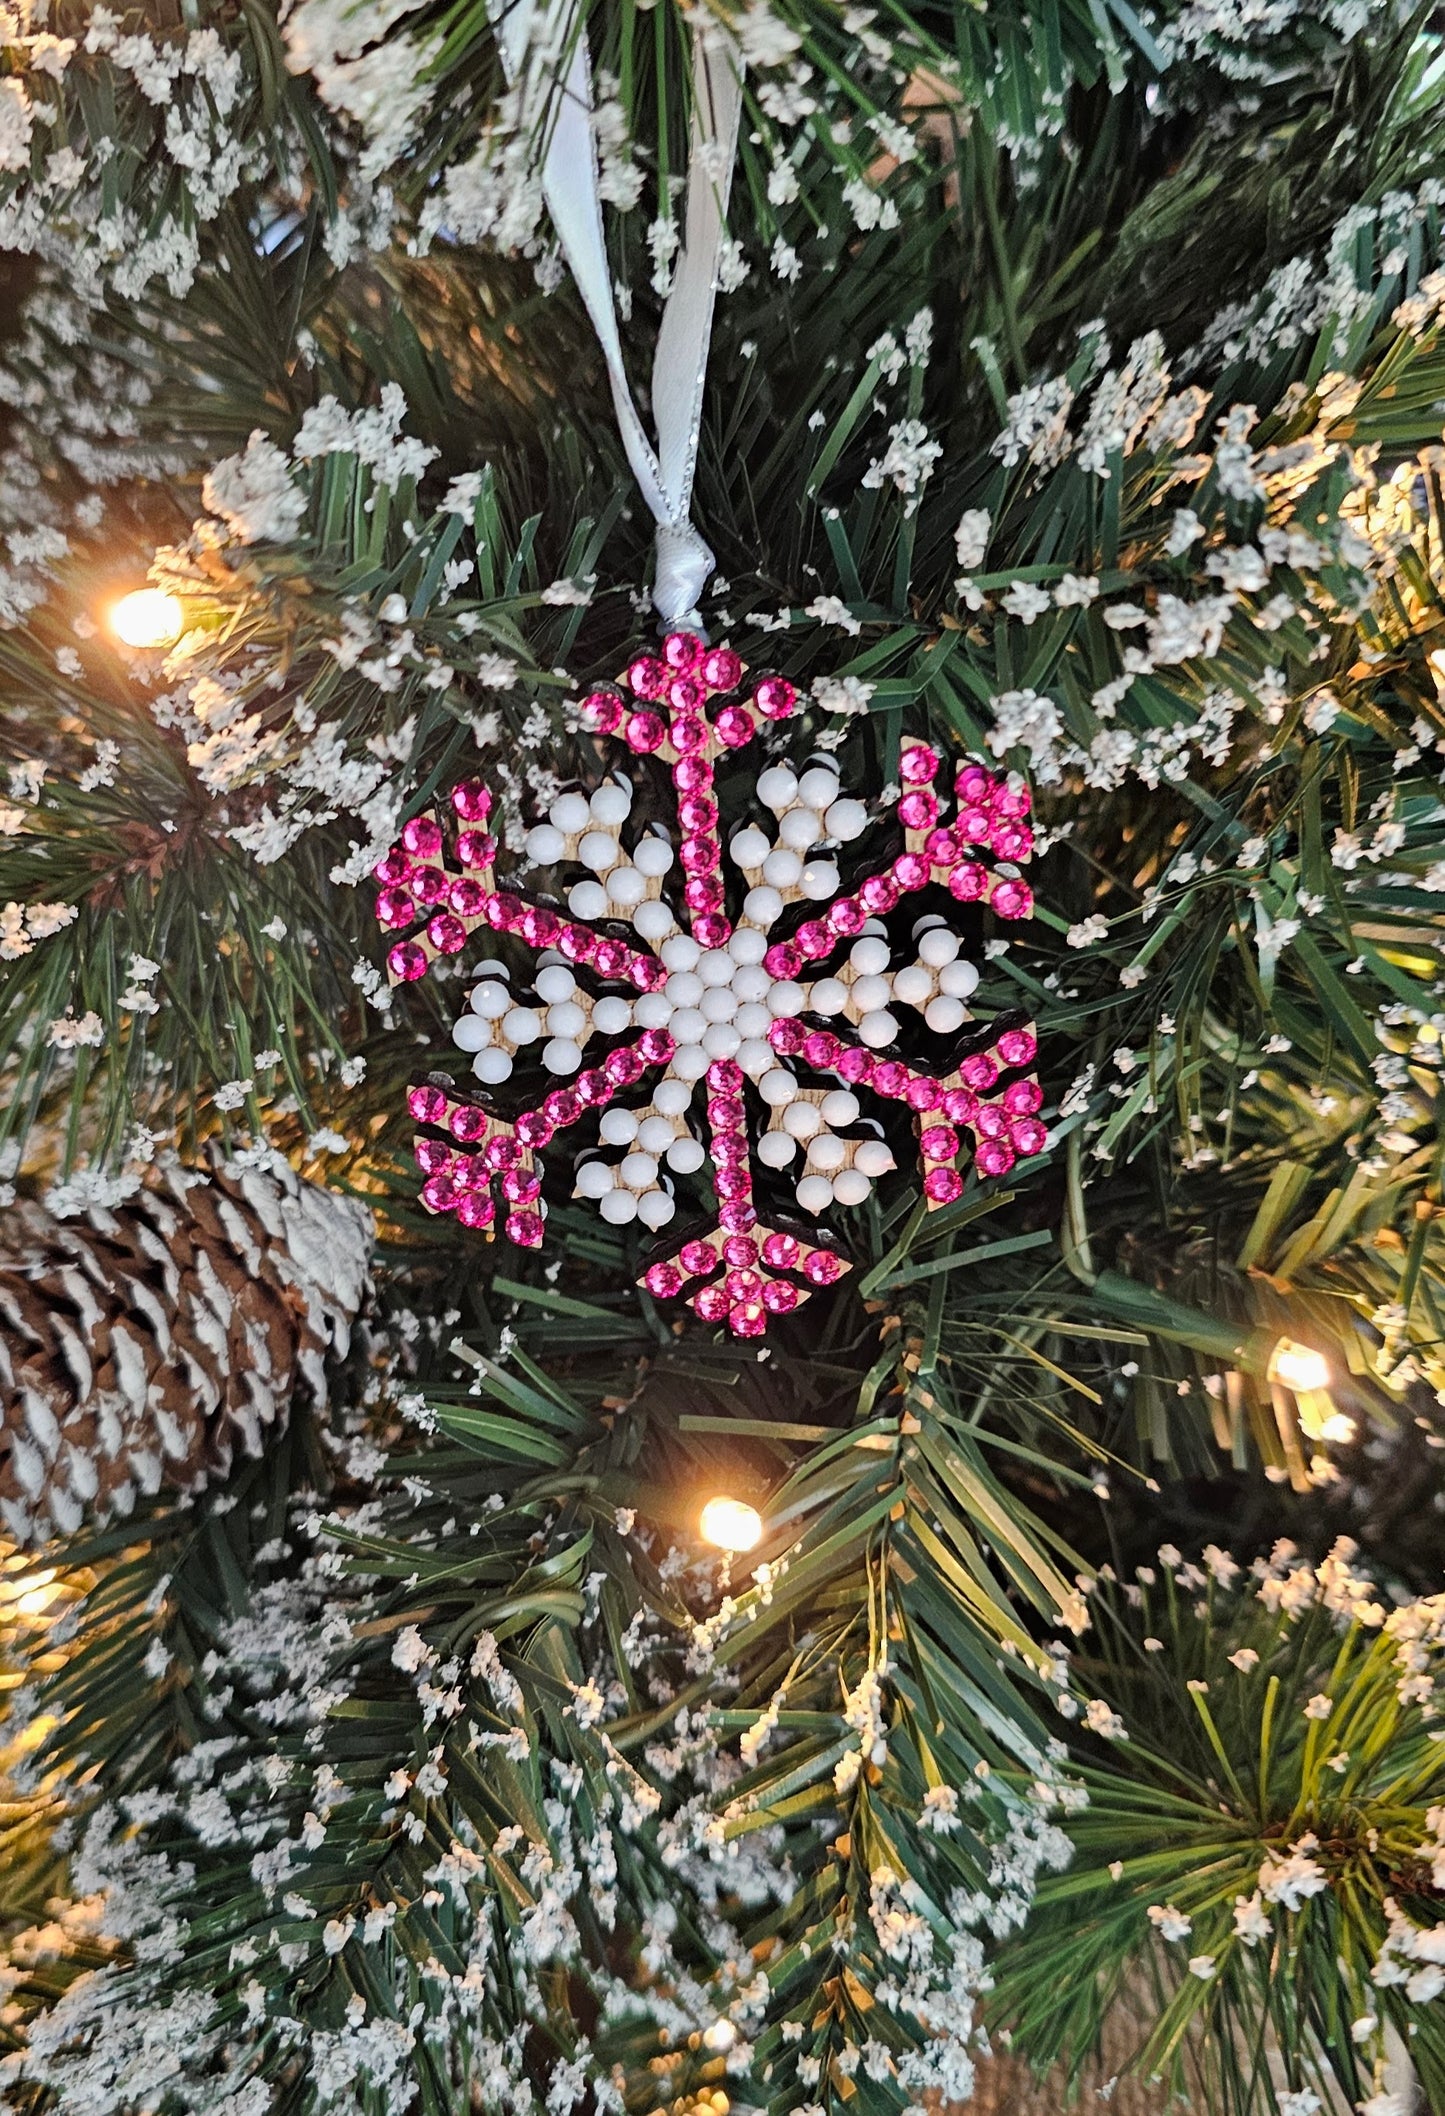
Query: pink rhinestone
(725, 1077)
(439, 1194)
(823, 1268)
(741, 1285)
(505, 912)
(468, 1173)
(939, 1143)
(471, 801)
(783, 960)
(646, 974)
(423, 837)
(820, 1049)
(730, 1149)
(534, 1129)
(704, 892)
(1012, 899)
(1029, 1136)
(1013, 802)
(725, 1113)
(1018, 1047)
(561, 1108)
(501, 1153)
(407, 961)
(539, 926)
(395, 907)
(974, 783)
(592, 1089)
(468, 1123)
(476, 1209)
(698, 855)
(943, 1185)
(734, 727)
(432, 1156)
(912, 870)
(978, 1072)
(815, 939)
(855, 1065)
(779, 1298)
(393, 867)
(711, 930)
(722, 670)
(890, 1078)
(1023, 1098)
(610, 957)
(602, 710)
(663, 1280)
(781, 1252)
(918, 810)
(623, 1068)
(697, 813)
(775, 697)
(942, 848)
(879, 893)
(692, 775)
(959, 1106)
(748, 1318)
(973, 825)
(525, 1229)
(918, 765)
(1011, 843)
(648, 677)
(682, 650)
(467, 898)
(711, 1303)
(645, 732)
(991, 1123)
(737, 1217)
(787, 1037)
(968, 882)
(656, 1046)
(576, 943)
(697, 1258)
(994, 1158)
(689, 732)
(520, 1186)
(427, 1104)
(429, 885)
(685, 695)
(923, 1095)
(847, 916)
(475, 848)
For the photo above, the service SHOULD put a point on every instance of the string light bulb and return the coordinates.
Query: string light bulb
(1299, 1367)
(147, 617)
(731, 1524)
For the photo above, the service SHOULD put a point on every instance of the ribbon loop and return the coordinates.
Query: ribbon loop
(553, 36)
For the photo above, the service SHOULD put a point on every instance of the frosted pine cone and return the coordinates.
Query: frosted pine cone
(149, 1344)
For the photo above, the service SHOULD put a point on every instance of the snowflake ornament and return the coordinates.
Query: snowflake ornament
(726, 965)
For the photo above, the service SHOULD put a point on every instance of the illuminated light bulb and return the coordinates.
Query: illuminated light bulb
(147, 617)
(730, 1524)
(1298, 1366)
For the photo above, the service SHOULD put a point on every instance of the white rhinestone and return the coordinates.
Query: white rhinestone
(618, 1127)
(471, 1033)
(870, 993)
(638, 1171)
(751, 982)
(937, 946)
(612, 1016)
(688, 1025)
(686, 1155)
(555, 983)
(819, 881)
(570, 813)
(618, 1207)
(749, 848)
(680, 953)
(690, 1062)
(653, 857)
(747, 947)
(874, 1158)
(721, 1040)
(828, 996)
(594, 1179)
(626, 887)
(521, 1025)
(566, 1019)
(671, 1097)
(913, 986)
(776, 1149)
(944, 1014)
(752, 1020)
(869, 956)
(786, 999)
(764, 906)
(802, 1119)
(778, 1088)
(827, 1153)
(851, 1186)
(587, 901)
(958, 979)
(754, 1054)
(799, 828)
(653, 1010)
(877, 1030)
(598, 850)
(840, 1107)
(815, 1194)
(818, 787)
(656, 1209)
(491, 1000)
(782, 869)
(716, 966)
(654, 1135)
(846, 820)
(684, 988)
(612, 803)
(719, 1003)
(653, 920)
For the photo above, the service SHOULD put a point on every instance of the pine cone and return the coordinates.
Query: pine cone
(149, 1343)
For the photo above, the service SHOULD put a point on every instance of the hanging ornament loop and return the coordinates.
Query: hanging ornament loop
(551, 35)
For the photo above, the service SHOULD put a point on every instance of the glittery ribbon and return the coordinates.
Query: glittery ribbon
(552, 34)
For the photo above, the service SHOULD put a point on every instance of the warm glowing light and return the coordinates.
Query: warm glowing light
(1299, 1366)
(731, 1525)
(720, 2036)
(146, 617)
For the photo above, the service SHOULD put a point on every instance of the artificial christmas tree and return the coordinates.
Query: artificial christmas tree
(598, 1701)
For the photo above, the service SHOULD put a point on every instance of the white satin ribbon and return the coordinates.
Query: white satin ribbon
(550, 35)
